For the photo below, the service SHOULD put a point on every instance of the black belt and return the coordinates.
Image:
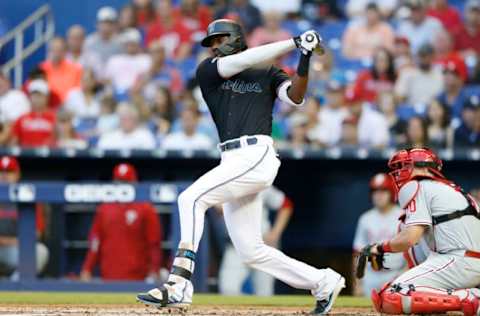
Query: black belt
(235, 144)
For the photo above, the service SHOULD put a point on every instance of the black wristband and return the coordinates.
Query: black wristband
(303, 65)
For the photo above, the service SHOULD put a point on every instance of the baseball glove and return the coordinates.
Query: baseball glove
(376, 261)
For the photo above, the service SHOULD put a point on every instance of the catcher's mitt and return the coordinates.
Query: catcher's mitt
(376, 261)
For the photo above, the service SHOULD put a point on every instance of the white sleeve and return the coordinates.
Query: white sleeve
(413, 200)
(231, 65)
(282, 93)
(273, 198)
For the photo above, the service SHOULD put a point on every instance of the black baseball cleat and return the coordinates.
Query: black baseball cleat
(161, 298)
(324, 306)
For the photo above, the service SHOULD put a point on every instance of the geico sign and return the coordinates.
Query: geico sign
(99, 193)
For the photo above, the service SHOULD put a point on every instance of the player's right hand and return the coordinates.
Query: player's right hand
(308, 42)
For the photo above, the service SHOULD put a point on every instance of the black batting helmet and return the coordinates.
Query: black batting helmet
(236, 41)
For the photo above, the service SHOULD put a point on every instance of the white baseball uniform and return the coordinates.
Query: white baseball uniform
(233, 271)
(447, 267)
(374, 226)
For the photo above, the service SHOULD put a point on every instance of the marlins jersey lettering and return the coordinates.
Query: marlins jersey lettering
(424, 199)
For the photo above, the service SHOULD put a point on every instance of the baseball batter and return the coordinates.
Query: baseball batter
(449, 221)
(240, 86)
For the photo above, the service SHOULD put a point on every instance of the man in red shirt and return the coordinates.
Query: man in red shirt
(448, 15)
(467, 36)
(62, 74)
(37, 127)
(125, 237)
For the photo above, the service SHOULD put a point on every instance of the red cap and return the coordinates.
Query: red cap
(125, 172)
(9, 163)
(457, 66)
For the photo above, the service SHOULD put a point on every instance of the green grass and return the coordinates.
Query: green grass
(60, 298)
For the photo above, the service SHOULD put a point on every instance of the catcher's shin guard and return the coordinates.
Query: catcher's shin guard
(178, 290)
(394, 301)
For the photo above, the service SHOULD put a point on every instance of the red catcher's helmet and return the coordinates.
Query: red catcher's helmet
(125, 172)
(383, 181)
(403, 162)
(9, 164)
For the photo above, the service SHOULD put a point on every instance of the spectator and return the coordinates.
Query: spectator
(468, 133)
(322, 71)
(189, 138)
(298, 136)
(313, 10)
(105, 41)
(331, 116)
(418, 86)
(271, 31)
(76, 53)
(349, 134)
(444, 51)
(125, 238)
(108, 119)
(163, 111)
(82, 102)
(440, 133)
(196, 17)
(144, 12)
(171, 31)
(287, 7)
(124, 69)
(466, 37)
(65, 133)
(356, 8)
(379, 224)
(13, 104)
(248, 14)
(419, 28)
(62, 74)
(379, 78)
(417, 133)
(127, 19)
(402, 54)
(454, 94)
(361, 39)
(129, 135)
(396, 126)
(372, 125)
(448, 15)
(10, 174)
(233, 272)
(159, 74)
(37, 127)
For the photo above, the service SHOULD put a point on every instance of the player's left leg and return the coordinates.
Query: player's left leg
(243, 220)
(232, 274)
(442, 283)
(263, 283)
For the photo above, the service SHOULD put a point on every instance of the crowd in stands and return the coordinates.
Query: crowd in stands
(396, 73)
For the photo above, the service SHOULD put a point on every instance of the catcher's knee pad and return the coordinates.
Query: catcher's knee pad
(395, 300)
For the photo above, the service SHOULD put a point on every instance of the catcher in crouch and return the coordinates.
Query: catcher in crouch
(448, 219)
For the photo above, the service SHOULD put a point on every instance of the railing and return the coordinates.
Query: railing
(43, 30)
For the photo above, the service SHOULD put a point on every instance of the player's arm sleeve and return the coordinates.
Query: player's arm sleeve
(280, 84)
(361, 237)
(413, 200)
(207, 75)
(93, 242)
(231, 65)
(154, 231)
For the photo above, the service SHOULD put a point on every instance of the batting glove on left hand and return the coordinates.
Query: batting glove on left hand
(308, 42)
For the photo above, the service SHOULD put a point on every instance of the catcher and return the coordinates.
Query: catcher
(448, 220)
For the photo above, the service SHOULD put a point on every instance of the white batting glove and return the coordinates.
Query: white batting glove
(309, 42)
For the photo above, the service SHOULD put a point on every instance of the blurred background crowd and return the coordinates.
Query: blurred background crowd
(397, 73)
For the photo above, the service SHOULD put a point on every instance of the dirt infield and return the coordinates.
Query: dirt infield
(103, 310)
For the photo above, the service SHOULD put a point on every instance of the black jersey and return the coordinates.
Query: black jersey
(242, 104)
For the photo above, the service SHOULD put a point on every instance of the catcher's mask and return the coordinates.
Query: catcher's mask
(225, 27)
(404, 161)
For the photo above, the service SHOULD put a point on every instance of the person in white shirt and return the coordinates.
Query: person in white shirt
(188, 138)
(130, 135)
(13, 103)
(82, 102)
(372, 125)
(419, 28)
(379, 223)
(356, 8)
(123, 70)
(418, 86)
(331, 116)
(88, 59)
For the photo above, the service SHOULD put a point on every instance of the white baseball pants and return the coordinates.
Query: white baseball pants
(235, 183)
